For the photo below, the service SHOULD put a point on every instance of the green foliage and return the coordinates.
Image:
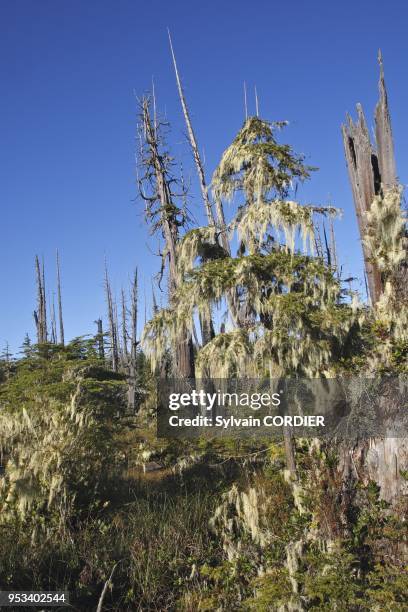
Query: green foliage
(271, 591)
(331, 580)
(387, 587)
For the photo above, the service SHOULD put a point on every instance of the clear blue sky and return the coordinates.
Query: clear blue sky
(69, 70)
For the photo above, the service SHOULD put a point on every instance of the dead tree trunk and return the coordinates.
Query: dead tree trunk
(61, 320)
(119, 350)
(383, 135)
(206, 324)
(184, 346)
(207, 328)
(290, 456)
(133, 344)
(40, 315)
(113, 331)
(371, 170)
(54, 338)
(193, 142)
(125, 352)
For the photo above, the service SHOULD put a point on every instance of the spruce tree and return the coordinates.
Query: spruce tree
(296, 321)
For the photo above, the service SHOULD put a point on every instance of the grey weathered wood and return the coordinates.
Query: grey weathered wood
(370, 171)
(184, 346)
(206, 322)
(256, 103)
(333, 247)
(193, 141)
(133, 343)
(290, 456)
(112, 319)
(54, 338)
(383, 135)
(124, 326)
(40, 315)
(105, 588)
(59, 296)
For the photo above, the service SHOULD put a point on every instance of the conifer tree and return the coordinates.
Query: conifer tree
(294, 316)
(26, 347)
(100, 339)
(293, 319)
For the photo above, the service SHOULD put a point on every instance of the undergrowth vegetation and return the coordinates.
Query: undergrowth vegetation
(76, 505)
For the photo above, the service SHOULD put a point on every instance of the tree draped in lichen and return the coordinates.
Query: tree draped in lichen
(292, 313)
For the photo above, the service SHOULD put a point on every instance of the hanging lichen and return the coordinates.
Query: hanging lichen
(199, 243)
(55, 448)
(227, 355)
(387, 241)
(256, 164)
(278, 217)
(291, 312)
(386, 231)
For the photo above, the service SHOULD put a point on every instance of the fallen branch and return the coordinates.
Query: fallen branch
(105, 588)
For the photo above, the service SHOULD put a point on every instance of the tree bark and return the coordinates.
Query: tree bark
(133, 345)
(40, 315)
(61, 320)
(184, 347)
(193, 142)
(371, 170)
(112, 323)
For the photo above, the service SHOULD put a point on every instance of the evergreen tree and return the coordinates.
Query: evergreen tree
(26, 347)
(295, 318)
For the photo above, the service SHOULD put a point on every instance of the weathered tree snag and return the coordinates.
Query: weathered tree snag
(370, 170)
(289, 453)
(383, 135)
(155, 308)
(133, 344)
(61, 320)
(193, 141)
(40, 315)
(112, 318)
(386, 160)
(362, 164)
(168, 222)
(124, 328)
(206, 324)
(54, 338)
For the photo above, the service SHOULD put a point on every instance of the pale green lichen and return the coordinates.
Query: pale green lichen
(256, 164)
(277, 217)
(386, 239)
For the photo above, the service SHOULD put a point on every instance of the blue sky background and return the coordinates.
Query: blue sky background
(68, 74)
